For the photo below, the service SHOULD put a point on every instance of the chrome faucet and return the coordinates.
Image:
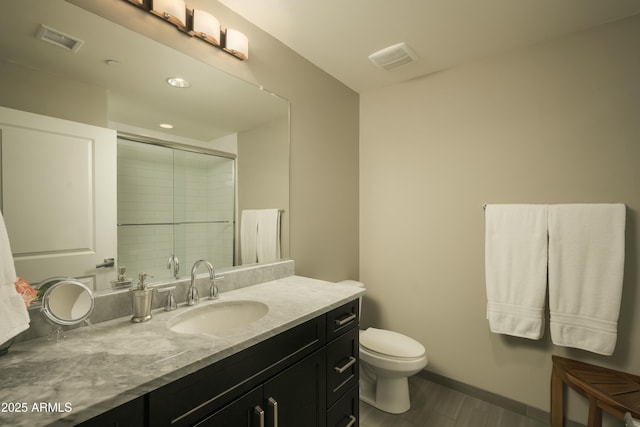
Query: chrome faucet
(192, 293)
(174, 264)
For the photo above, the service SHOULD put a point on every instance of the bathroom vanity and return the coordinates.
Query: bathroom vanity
(295, 366)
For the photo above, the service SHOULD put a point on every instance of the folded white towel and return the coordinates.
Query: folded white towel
(268, 240)
(516, 268)
(248, 236)
(586, 266)
(14, 317)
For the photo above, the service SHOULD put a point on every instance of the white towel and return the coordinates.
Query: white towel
(248, 236)
(586, 266)
(14, 317)
(268, 240)
(516, 268)
(629, 421)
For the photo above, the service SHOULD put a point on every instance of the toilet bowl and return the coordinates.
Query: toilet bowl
(387, 360)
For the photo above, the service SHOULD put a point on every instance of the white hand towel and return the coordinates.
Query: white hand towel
(248, 236)
(14, 317)
(516, 268)
(268, 240)
(586, 268)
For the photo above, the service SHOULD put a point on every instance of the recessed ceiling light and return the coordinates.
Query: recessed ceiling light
(166, 126)
(178, 82)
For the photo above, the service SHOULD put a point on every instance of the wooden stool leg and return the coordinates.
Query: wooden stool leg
(557, 392)
(595, 414)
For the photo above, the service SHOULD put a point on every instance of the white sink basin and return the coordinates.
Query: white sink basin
(218, 317)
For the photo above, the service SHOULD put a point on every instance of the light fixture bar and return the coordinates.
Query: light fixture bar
(197, 23)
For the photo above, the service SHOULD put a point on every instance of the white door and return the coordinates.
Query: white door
(59, 197)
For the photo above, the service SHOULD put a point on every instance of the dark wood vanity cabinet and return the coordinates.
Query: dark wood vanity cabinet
(304, 377)
(343, 366)
(292, 398)
(130, 414)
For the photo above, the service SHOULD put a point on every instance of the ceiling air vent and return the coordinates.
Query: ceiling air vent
(393, 56)
(58, 38)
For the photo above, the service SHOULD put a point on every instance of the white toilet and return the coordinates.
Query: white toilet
(387, 360)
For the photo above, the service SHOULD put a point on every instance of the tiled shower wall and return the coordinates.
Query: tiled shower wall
(173, 202)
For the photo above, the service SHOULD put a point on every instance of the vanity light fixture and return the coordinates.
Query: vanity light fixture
(178, 82)
(197, 23)
(206, 26)
(174, 11)
(236, 43)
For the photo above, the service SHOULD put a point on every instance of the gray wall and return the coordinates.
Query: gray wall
(553, 123)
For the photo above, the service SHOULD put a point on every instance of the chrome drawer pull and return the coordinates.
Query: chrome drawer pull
(342, 322)
(274, 404)
(352, 421)
(260, 412)
(341, 369)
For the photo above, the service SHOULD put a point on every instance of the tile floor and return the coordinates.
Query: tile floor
(433, 405)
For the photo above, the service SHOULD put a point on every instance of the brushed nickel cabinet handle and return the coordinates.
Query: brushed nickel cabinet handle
(341, 369)
(342, 322)
(274, 404)
(352, 421)
(260, 412)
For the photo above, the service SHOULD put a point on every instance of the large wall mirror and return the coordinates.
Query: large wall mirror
(242, 129)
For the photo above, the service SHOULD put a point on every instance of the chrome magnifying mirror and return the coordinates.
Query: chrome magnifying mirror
(66, 302)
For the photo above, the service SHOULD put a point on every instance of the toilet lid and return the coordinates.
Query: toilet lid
(390, 343)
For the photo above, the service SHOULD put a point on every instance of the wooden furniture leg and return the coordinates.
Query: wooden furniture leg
(557, 391)
(595, 414)
(615, 392)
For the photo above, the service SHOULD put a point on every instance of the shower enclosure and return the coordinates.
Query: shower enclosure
(175, 206)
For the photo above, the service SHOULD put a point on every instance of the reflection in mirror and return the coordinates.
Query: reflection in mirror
(118, 79)
(186, 214)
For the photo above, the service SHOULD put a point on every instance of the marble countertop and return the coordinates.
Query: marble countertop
(105, 365)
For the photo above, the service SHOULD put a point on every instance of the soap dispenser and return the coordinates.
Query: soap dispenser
(141, 300)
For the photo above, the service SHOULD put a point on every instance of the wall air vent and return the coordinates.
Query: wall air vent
(58, 38)
(393, 56)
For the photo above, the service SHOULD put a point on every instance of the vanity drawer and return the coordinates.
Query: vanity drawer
(342, 365)
(343, 318)
(346, 411)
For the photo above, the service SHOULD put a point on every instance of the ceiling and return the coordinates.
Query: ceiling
(338, 35)
(216, 105)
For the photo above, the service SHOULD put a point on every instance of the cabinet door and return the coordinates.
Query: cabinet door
(130, 414)
(246, 411)
(58, 196)
(297, 397)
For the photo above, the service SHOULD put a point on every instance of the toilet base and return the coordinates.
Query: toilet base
(387, 394)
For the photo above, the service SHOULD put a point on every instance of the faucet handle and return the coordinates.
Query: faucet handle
(213, 290)
(171, 300)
